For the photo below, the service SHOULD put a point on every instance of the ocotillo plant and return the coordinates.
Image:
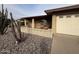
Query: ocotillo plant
(16, 29)
(4, 21)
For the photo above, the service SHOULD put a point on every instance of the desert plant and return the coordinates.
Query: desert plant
(15, 26)
(16, 29)
(4, 21)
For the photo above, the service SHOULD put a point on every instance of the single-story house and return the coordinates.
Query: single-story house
(61, 24)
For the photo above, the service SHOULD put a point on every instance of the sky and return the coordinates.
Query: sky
(25, 10)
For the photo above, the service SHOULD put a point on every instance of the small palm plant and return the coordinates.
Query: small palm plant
(4, 21)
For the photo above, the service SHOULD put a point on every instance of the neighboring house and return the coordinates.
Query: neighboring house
(63, 27)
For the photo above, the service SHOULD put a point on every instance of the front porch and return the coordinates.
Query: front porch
(38, 25)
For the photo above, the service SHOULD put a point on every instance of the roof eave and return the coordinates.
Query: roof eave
(50, 11)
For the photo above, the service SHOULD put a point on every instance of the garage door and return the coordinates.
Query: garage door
(68, 24)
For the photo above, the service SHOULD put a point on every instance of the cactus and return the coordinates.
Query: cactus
(16, 29)
(4, 21)
(15, 26)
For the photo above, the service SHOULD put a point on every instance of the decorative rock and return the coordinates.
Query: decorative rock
(32, 45)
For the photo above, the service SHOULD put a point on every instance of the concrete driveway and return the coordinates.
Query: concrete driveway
(65, 44)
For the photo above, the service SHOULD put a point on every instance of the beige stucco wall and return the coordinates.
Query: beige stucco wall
(68, 25)
(39, 32)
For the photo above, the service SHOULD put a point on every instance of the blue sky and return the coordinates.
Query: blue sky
(25, 10)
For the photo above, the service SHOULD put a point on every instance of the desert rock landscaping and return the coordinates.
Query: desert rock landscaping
(33, 44)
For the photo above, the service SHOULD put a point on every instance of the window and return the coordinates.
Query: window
(77, 15)
(61, 16)
(68, 16)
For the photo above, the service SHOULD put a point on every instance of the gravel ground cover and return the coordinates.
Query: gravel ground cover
(32, 45)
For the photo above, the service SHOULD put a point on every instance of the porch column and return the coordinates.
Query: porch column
(33, 23)
(54, 24)
(24, 22)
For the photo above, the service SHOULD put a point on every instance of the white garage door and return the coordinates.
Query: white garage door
(68, 24)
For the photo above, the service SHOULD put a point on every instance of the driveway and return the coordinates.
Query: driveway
(63, 43)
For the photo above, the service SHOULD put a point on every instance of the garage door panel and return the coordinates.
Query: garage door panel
(68, 25)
